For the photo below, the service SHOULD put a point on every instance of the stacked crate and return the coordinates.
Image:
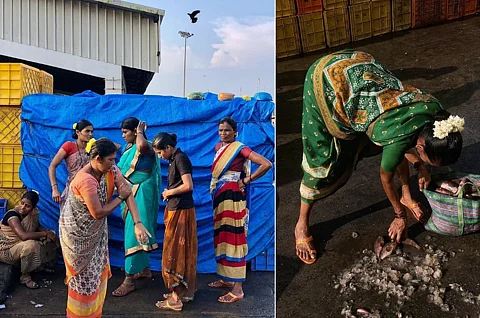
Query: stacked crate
(310, 22)
(337, 22)
(427, 12)
(288, 36)
(459, 8)
(401, 15)
(16, 81)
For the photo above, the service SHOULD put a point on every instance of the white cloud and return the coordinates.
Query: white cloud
(246, 43)
(172, 59)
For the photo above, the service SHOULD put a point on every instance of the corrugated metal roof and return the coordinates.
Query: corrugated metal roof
(131, 6)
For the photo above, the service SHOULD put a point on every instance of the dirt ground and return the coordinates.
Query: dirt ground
(443, 60)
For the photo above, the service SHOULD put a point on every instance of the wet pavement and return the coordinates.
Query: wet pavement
(258, 301)
(443, 60)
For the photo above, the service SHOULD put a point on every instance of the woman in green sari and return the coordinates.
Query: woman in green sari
(353, 107)
(139, 166)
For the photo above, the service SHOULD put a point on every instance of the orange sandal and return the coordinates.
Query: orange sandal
(233, 298)
(414, 206)
(310, 251)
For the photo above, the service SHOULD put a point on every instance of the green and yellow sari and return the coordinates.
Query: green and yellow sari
(351, 100)
(146, 189)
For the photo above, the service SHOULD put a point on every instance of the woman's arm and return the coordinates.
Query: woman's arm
(141, 142)
(423, 175)
(52, 169)
(18, 229)
(388, 184)
(187, 186)
(96, 209)
(264, 166)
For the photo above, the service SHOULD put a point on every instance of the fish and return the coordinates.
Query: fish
(390, 247)
(378, 245)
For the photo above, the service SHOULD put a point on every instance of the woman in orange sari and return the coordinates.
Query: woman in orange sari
(230, 176)
(84, 229)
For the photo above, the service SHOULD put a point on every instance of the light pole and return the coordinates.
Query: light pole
(185, 35)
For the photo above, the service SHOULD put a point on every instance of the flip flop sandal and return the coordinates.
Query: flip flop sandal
(140, 276)
(184, 299)
(31, 284)
(310, 251)
(164, 304)
(220, 284)
(414, 206)
(118, 293)
(232, 296)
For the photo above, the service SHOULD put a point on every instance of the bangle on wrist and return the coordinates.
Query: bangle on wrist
(400, 214)
(121, 198)
(138, 222)
(53, 185)
(139, 132)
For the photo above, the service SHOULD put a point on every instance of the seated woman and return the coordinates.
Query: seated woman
(23, 241)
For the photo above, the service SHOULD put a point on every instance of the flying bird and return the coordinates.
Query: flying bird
(193, 14)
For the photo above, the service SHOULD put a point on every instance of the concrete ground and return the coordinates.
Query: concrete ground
(258, 302)
(443, 60)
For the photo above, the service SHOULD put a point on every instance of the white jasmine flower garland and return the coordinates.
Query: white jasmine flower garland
(444, 127)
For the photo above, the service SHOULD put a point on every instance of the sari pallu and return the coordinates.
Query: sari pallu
(32, 254)
(145, 188)
(74, 163)
(350, 101)
(84, 242)
(230, 214)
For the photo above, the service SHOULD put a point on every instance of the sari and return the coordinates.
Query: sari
(231, 214)
(145, 188)
(74, 163)
(352, 101)
(31, 254)
(84, 242)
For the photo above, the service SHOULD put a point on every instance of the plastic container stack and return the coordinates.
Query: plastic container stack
(16, 81)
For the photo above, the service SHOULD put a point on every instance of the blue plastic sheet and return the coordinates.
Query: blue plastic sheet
(47, 123)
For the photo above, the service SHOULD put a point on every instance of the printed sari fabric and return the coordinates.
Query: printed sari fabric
(230, 214)
(350, 101)
(180, 251)
(84, 242)
(31, 254)
(145, 188)
(75, 161)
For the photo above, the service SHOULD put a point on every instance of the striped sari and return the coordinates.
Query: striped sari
(230, 215)
(84, 242)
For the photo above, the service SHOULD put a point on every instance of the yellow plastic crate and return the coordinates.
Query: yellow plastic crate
(381, 17)
(401, 14)
(46, 82)
(285, 8)
(334, 4)
(354, 2)
(312, 32)
(288, 38)
(16, 81)
(13, 196)
(10, 158)
(10, 125)
(337, 28)
(360, 21)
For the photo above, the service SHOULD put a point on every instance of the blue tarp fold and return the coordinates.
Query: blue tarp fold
(47, 123)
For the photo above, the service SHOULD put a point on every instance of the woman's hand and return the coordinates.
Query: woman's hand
(141, 233)
(241, 185)
(56, 195)
(165, 194)
(397, 229)
(51, 236)
(124, 190)
(141, 127)
(423, 178)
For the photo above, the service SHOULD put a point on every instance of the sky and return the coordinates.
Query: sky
(232, 49)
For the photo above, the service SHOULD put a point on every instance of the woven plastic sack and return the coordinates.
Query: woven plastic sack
(454, 216)
(225, 96)
(195, 96)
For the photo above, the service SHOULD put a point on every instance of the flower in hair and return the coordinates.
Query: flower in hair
(75, 126)
(444, 127)
(89, 145)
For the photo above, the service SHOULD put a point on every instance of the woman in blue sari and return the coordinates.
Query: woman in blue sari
(139, 166)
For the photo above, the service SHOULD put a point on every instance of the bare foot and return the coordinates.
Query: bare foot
(304, 245)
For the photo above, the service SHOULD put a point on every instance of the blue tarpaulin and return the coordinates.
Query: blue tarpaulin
(47, 123)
